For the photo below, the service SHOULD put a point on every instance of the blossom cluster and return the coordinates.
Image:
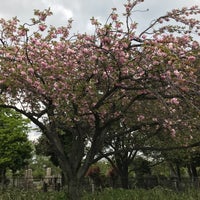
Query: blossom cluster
(102, 76)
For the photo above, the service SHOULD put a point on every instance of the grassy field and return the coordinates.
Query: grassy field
(107, 194)
(141, 194)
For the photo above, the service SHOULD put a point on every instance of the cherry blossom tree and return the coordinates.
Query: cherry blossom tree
(78, 85)
(139, 136)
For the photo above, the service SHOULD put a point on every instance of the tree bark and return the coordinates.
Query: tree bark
(194, 172)
(189, 170)
(2, 178)
(178, 172)
(73, 184)
(123, 173)
(172, 170)
(74, 189)
(124, 180)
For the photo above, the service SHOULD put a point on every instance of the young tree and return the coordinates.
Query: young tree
(39, 164)
(44, 148)
(79, 85)
(15, 149)
(126, 139)
(180, 157)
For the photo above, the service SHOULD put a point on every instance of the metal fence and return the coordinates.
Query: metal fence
(47, 184)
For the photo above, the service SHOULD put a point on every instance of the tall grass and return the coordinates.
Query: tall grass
(31, 195)
(141, 194)
(108, 194)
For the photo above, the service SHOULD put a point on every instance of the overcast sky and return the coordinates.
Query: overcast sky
(82, 10)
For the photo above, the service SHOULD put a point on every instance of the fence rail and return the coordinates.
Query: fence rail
(143, 182)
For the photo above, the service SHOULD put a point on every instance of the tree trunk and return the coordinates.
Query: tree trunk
(178, 172)
(189, 170)
(194, 172)
(73, 181)
(123, 173)
(172, 170)
(69, 161)
(124, 181)
(3, 178)
(74, 189)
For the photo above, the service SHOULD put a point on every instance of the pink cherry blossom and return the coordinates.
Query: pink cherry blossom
(42, 27)
(23, 73)
(31, 70)
(88, 84)
(140, 117)
(173, 132)
(191, 58)
(174, 101)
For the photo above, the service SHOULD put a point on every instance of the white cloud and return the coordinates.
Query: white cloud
(58, 9)
(82, 10)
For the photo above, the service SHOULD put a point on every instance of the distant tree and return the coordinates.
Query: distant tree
(141, 166)
(176, 159)
(15, 148)
(137, 135)
(39, 163)
(44, 148)
(185, 158)
(128, 140)
(192, 162)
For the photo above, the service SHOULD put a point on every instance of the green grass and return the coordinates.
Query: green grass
(141, 194)
(31, 195)
(108, 194)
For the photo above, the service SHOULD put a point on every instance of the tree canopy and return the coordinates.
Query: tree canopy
(15, 149)
(80, 85)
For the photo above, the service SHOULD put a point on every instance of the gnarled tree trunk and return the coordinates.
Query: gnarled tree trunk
(74, 189)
